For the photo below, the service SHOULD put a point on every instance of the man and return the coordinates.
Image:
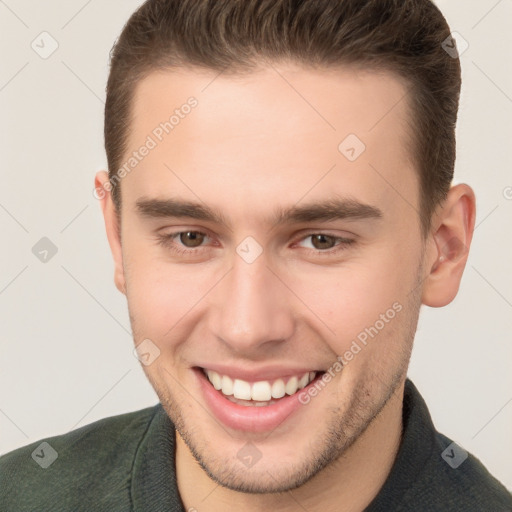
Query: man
(278, 206)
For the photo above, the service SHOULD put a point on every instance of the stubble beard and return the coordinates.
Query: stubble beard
(345, 425)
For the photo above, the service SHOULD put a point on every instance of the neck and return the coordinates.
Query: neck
(347, 485)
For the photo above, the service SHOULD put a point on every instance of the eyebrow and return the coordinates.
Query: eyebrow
(326, 210)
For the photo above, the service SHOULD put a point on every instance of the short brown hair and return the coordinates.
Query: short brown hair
(401, 36)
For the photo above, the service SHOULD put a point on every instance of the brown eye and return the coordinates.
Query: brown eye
(321, 241)
(192, 238)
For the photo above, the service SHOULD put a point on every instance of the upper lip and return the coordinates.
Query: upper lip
(259, 374)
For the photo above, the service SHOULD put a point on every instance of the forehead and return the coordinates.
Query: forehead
(329, 101)
(277, 129)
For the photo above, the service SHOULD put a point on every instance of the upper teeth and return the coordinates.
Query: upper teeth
(262, 390)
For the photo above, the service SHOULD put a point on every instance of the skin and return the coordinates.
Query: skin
(253, 144)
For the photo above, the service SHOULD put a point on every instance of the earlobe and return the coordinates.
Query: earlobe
(448, 246)
(112, 226)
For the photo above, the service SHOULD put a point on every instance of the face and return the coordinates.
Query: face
(262, 245)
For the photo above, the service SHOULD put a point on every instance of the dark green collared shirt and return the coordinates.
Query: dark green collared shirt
(126, 463)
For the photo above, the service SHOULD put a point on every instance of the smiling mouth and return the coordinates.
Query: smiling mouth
(260, 393)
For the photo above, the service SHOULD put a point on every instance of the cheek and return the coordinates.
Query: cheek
(160, 295)
(359, 299)
(151, 289)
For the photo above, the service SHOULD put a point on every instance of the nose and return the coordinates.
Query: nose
(254, 309)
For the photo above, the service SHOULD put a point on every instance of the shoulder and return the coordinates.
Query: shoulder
(81, 465)
(446, 476)
(432, 473)
(457, 480)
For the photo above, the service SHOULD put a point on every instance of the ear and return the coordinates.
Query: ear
(102, 191)
(448, 246)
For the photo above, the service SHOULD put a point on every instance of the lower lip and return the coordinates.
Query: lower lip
(249, 418)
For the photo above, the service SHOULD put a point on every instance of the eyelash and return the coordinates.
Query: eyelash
(167, 242)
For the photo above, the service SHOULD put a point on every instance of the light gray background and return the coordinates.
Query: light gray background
(66, 349)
